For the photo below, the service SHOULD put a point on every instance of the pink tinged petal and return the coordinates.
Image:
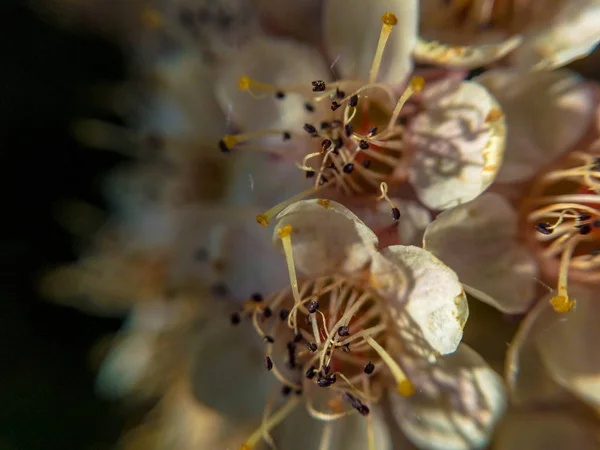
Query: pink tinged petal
(527, 379)
(569, 347)
(457, 144)
(277, 62)
(573, 35)
(326, 238)
(418, 283)
(479, 241)
(352, 29)
(545, 430)
(457, 403)
(547, 113)
(471, 56)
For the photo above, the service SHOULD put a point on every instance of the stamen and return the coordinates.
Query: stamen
(273, 421)
(416, 85)
(561, 302)
(404, 387)
(264, 218)
(389, 20)
(384, 189)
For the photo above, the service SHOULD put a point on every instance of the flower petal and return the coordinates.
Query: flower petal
(457, 404)
(546, 430)
(352, 29)
(278, 62)
(547, 113)
(457, 144)
(526, 377)
(326, 237)
(479, 241)
(568, 346)
(470, 56)
(427, 290)
(573, 35)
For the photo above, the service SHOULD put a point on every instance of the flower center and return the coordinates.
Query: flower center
(564, 209)
(325, 339)
(356, 134)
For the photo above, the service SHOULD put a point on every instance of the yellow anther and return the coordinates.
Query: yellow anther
(417, 84)
(152, 19)
(389, 19)
(494, 115)
(244, 83)
(262, 220)
(230, 141)
(405, 388)
(562, 304)
(285, 231)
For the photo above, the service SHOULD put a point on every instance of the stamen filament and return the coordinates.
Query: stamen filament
(416, 85)
(264, 218)
(273, 421)
(389, 20)
(561, 302)
(404, 386)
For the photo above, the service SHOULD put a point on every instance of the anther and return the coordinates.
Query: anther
(343, 331)
(235, 318)
(348, 168)
(280, 95)
(324, 125)
(364, 145)
(267, 312)
(309, 107)
(286, 136)
(585, 229)
(326, 381)
(268, 363)
(313, 306)
(544, 228)
(389, 18)
(298, 392)
(353, 100)
(335, 105)
(346, 348)
(283, 314)
(336, 123)
(366, 163)
(369, 368)
(596, 223)
(583, 217)
(269, 339)
(372, 132)
(356, 404)
(311, 372)
(256, 297)
(285, 390)
(326, 369)
(318, 86)
(339, 94)
(223, 147)
(339, 142)
(311, 346)
(298, 338)
(325, 144)
(395, 213)
(348, 129)
(310, 129)
(310, 173)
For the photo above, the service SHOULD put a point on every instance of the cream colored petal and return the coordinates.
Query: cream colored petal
(300, 19)
(479, 241)
(326, 237)
(569, 346)
(457, 404)
(527, 379)
(471, 56)
(572, 35)
(546, 430)
(352, 29)
(277, 62)
(427, 290)
(457, 144)
(547, 113)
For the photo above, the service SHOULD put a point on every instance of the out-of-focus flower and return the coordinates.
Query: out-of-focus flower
(546, 34)
(356, 325)
(552, 371)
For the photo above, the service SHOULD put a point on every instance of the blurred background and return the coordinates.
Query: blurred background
(47, 398)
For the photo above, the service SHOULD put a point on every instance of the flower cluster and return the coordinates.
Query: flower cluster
(403, 190)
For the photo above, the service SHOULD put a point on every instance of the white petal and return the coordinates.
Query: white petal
(184, 105)
(457, 144)
(326, 237)
(573, 35)
(352, 29)
(546, 430)
(471, 56)
(300, 19)
(457, 403)
(547, 113)
(569, 347)
(479, 241)
(278, 62)
(431, 295)
(527, 379)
